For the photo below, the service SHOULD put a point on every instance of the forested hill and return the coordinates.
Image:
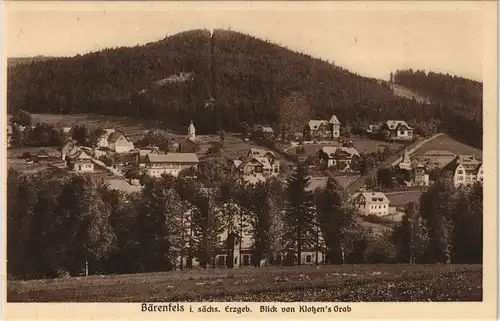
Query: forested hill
(461, 99)
(218, 79)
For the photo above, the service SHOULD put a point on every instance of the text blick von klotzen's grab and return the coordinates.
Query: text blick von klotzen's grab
(178, 307)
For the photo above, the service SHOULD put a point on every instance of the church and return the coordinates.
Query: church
(189, 145)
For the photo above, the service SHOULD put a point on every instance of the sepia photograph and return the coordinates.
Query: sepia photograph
(246, 154)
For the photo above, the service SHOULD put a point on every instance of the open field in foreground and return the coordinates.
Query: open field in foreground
(348, 283)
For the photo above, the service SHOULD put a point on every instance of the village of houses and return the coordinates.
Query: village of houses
(259, 164)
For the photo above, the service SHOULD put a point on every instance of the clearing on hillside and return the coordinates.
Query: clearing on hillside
(404, 197)
(328, 283)
(402, 91)
(444, 144)
(361, 144)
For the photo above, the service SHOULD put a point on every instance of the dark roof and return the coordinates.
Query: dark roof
(113, 137)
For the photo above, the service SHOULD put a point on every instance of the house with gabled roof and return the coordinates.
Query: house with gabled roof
(141, 154)
(79, 161)
(258, 163)
(317, 129)
(323, 129)
(465, 170)
(119, 143)
(170, 163)
(398, 129)
(339, 156)
(371, 203)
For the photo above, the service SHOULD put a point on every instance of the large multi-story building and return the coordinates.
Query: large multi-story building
(323, 129)
(465, 170)
(371, 203)
(341, 157)
(171, 163)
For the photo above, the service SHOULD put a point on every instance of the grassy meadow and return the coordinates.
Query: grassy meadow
(347, 283)
(361, 144)
(404, 197)
(447, 144)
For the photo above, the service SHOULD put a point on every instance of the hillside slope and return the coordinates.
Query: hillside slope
(459, 99)
(218, 79)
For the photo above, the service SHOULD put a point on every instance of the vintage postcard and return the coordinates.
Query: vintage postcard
(220, 160)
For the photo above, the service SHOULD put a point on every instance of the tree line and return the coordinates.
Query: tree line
(459, 100)
(58, 226)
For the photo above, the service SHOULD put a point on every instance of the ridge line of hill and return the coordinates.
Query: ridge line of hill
(244, 79)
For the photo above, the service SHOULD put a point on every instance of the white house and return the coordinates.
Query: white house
(371, 203)
(79, 161)
(258, 162)
(338, 156)
(119, 143)
(170, 163)
(399, 129)
(421, 175)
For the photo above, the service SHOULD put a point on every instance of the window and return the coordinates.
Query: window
(308, 259)
(460, 172)
(222, 260)
(460, 178)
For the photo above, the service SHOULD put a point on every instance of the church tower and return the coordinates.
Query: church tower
(191, 132)
(406, 161)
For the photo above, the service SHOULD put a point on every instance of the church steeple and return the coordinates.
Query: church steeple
(191, 131)
(405, 161)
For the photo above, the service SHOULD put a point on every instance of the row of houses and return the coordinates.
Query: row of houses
(330, 129)
(465, 169)
(257, 163)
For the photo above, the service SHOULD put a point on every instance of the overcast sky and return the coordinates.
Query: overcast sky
(364, 40)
